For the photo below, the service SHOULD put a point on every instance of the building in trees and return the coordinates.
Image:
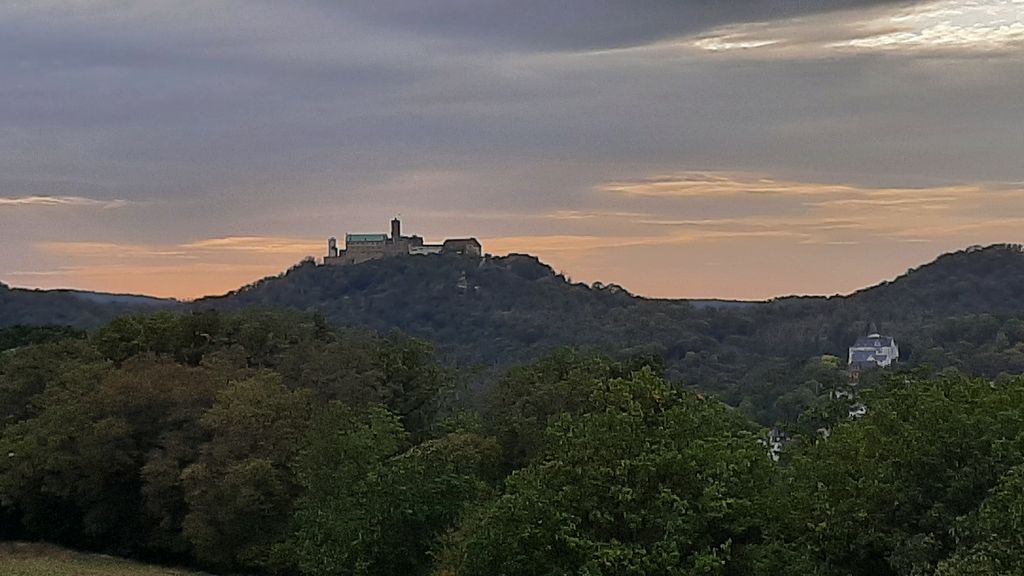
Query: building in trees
(873, 350)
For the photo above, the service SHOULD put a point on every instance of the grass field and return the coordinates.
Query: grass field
(17, 559)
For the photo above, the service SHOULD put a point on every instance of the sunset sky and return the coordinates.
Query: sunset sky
(680, 148)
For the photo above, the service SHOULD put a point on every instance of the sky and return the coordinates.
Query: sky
(680, 148)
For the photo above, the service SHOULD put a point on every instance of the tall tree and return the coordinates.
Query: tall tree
(240, 489)
(648, 482)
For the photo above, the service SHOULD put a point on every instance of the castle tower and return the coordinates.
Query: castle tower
(396, 230)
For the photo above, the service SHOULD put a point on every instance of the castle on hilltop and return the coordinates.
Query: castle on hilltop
(365, 247)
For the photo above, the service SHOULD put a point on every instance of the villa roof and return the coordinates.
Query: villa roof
(862, 357)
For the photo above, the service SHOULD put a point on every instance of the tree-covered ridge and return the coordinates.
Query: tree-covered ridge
(965, 310)
(971, 281)
(268, 443)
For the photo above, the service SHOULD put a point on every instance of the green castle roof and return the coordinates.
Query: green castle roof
(366, 237)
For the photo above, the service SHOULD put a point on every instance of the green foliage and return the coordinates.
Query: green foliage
(991, 540)
(882, 495)
(175, 436)
(182, 337)
(267, 443)
(528, 398)
(370, 507)
(239, 490)
(649, 481)
(82, 450)
(17, 336)
(26, 372)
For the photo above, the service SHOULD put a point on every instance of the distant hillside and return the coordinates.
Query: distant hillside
(126, 299)
(965, 310)
(976, 280)
(76, 308)
(519, 304)
(964, 296)
(489, 310)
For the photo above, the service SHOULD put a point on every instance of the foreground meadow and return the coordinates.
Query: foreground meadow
(18, 559)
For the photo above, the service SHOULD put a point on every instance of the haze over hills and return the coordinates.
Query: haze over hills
(78, 308)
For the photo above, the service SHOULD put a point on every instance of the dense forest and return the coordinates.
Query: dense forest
(270, 443)
(965, 310)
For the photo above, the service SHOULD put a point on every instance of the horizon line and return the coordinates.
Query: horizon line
(967, 250)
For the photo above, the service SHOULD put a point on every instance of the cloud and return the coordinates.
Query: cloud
(617, 226)
(549, 244)
(57, 201)
(809, 212)
(945, 36)
(685, 233)
(716, 184)
(778, 235)
(112, 250)
(644, 213)
(257, 244)
(532, 25)
(937, 28)
(573, 215)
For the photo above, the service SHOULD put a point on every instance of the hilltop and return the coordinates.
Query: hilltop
(477, 310)
(975, 280)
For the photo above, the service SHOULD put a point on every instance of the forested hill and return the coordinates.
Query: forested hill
(489, 310)
(965, 309)
(70, 307)
(976, 280)
(505, 308)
